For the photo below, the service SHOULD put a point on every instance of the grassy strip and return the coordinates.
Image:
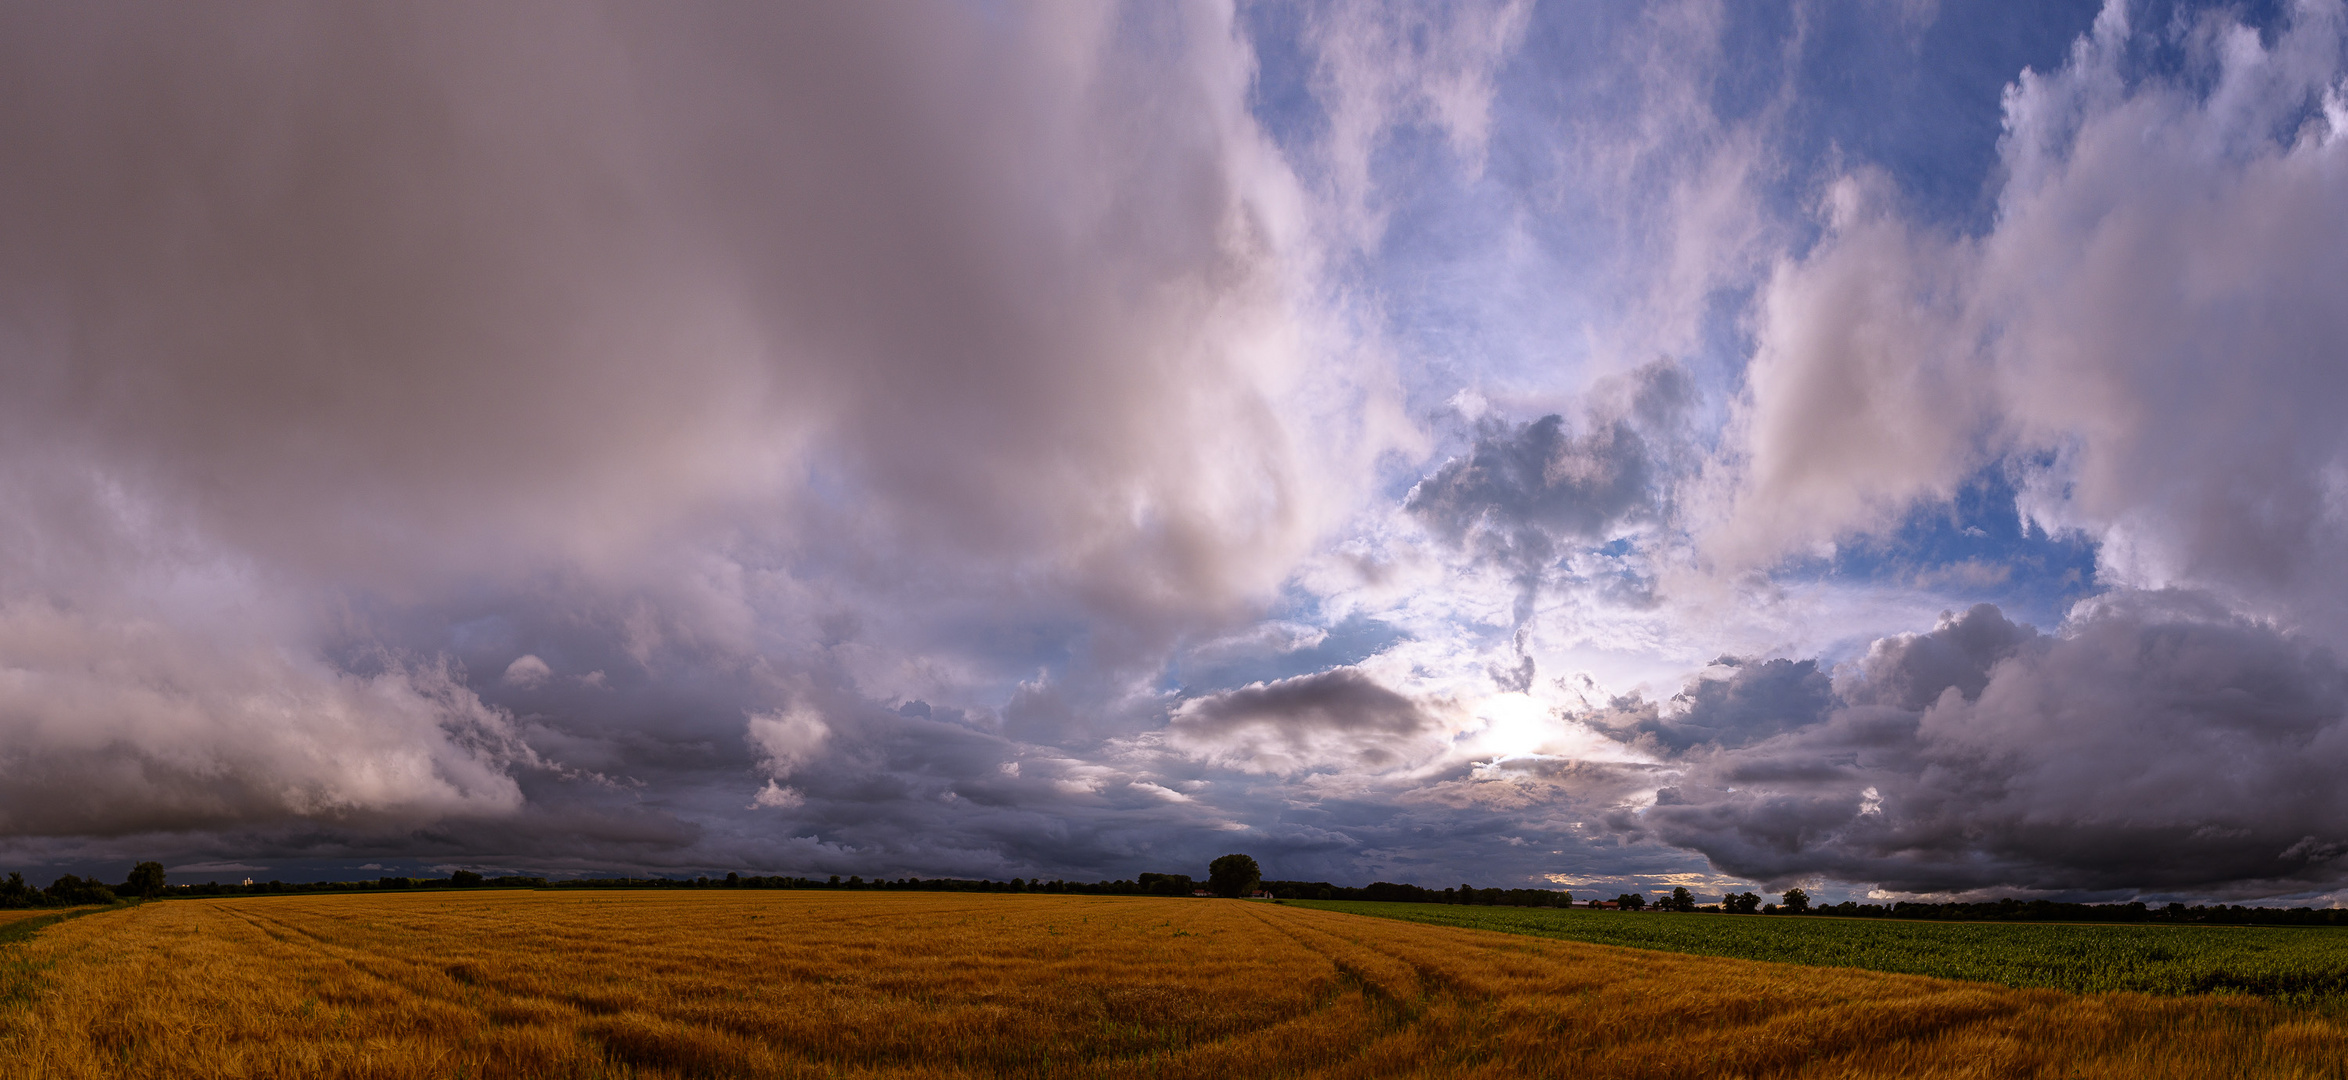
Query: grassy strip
(24, 929)
(19, 977)
(2299, 966)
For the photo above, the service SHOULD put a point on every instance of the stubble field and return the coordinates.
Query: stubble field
(797, 984)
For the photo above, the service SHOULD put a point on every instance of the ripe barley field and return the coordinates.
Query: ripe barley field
(812, 984)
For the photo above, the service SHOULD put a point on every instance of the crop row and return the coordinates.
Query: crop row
(2287, 964)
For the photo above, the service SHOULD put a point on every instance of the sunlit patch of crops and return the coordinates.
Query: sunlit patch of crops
(783, 984)
(2297, 965)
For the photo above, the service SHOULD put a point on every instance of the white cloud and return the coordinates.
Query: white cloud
(1866, 392)
(527, 672)
(2149, 329)
(774, 796)
(2163, 277)
(787, 739)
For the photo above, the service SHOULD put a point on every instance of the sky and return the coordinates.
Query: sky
(1887, 447)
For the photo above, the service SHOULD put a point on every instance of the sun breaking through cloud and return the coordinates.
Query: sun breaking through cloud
(1885, 448)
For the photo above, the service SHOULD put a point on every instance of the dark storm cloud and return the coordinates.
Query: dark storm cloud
(1519, 493)
(404, 290)
(1759, 699)
(1912, 671)
(2155, 745)
(1522, 498)
(819, 438)
(1338, 719)
(662, 369)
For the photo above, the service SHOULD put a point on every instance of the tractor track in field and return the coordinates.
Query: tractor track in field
(1399, 993)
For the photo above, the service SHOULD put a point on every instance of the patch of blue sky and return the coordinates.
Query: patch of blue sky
(2163, 30)
(1490, 274)
(1913, 89)
(1615, 569)
(1460, 288)
(1349, 641)
(1281, 95)
(1922, 98)
(1474, 289)
(1975, 548)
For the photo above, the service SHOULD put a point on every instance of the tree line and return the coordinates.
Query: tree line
(1797, 902)
(1391, 892)
(1230, 875)
(145, 881)
(2010, 910)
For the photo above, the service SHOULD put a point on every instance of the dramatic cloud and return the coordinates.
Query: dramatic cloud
(2153, 745)
(675, 314)
(1519, 492)
(1508, 439)
(1757, 700)
(109, 728)
(1864, 396)
(2148, 325)
(1338, 719)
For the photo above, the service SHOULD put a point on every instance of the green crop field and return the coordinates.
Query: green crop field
(2296, 965)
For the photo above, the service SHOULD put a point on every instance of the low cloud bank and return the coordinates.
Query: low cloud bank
(2155, 744)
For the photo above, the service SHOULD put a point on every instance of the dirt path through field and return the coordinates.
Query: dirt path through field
(498, 984)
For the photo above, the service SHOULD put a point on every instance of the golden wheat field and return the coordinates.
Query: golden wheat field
(784, 984)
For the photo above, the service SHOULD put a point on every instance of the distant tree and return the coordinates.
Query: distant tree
(1797, 901)
(16, 894)
(464, 879)
(71, 891)
(1630, 902)
(1233, 875)
(146, 879)
(1740, 903)
(1682, 900)
(1167, 884)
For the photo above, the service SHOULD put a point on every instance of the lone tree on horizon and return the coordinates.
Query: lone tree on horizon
(1233, 876)
(146, 879)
